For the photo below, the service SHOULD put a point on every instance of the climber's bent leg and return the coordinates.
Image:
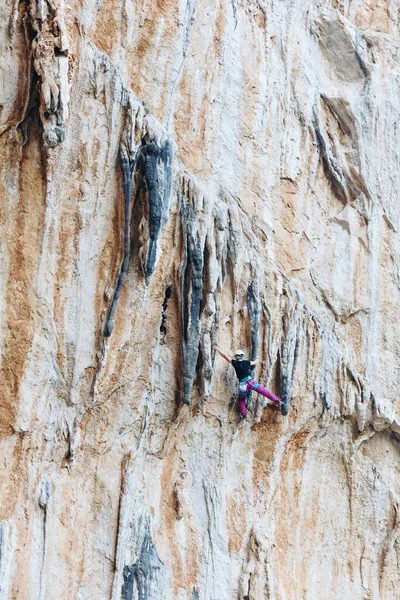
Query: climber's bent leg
(253, 385)
(242, 404)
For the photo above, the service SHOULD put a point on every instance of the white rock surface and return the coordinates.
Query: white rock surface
(263, 138)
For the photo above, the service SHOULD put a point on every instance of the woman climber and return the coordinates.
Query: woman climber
(246, 382)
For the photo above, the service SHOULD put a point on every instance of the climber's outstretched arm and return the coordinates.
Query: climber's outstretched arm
(253, 362)
(227, 358)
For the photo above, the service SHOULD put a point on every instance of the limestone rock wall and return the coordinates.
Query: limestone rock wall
(177, 174)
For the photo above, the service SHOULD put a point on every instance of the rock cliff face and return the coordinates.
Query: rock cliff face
(175, 175)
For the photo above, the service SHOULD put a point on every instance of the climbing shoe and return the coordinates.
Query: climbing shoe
(242, 417)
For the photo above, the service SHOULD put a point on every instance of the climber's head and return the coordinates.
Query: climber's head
(239, 355)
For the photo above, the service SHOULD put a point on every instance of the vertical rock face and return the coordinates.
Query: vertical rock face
(7, 547)
(176, 175)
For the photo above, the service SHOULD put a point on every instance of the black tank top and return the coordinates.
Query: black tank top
(242, 368)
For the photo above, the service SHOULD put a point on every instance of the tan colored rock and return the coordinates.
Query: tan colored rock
(176, 175)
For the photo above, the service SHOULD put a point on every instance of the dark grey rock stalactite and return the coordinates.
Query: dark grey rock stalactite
(155, 166)
(129, 582)
(253, 306)
(209, 321)
(127, 168)
(158, 184)
(145, 575)
(191, 295)
(214, 270)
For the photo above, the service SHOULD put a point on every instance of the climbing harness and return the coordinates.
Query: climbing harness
(243, 385)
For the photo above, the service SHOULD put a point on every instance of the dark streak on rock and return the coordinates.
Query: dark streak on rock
(325, 405)
(234, 9)
(191, 288)
(127, 168)
(158, 184)
(31, 110)
(163, 325)
(253, 305)
(395, 436)
(359, 58)
(330, 172)
(344, 175)
(44, 500)
(144, 573)
(286, 387)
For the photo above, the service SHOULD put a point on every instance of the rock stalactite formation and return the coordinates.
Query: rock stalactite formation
(191, 291)
(253, 304)
(144, 575)
(289, 353)
(173, 176)
(44, 23)
(155, 165)
(127, 170)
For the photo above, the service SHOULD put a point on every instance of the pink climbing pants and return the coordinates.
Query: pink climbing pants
(252, 385)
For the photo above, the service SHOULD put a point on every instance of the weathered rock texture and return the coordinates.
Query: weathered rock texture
(175, 175)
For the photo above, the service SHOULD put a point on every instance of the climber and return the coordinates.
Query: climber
(246, 382)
